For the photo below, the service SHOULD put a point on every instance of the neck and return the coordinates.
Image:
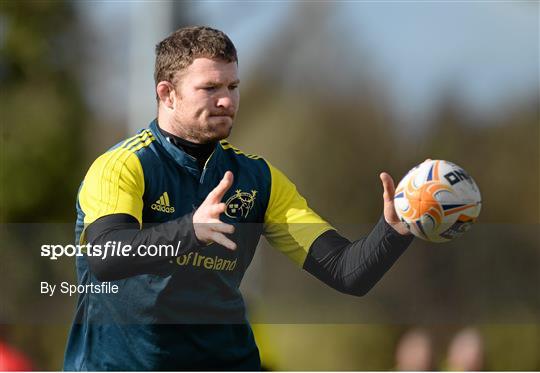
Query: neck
(166, 123)
(201, 152)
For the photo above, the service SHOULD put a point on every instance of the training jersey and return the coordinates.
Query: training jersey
(191, 312)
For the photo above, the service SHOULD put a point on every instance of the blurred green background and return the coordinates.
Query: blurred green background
(322, 101)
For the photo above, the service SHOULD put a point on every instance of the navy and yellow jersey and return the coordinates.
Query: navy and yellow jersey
(151, 324)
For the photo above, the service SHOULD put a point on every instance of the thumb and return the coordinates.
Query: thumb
(389, 210)
(388, 186)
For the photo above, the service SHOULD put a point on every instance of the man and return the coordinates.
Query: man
(179, 182)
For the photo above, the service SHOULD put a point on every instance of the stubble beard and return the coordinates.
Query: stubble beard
(201, 134)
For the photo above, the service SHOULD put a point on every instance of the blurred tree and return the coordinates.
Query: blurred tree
(42, 120)
(41, 112)
(333, 142)
(500, 152)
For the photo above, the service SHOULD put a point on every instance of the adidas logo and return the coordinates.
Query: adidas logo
(162, 204)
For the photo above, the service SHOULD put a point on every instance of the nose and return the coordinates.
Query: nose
(225, 101)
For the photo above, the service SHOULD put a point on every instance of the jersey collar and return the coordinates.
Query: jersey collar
(182, 158)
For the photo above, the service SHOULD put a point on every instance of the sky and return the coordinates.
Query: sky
(487, 52)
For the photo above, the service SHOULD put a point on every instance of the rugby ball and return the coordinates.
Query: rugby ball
(438, 201)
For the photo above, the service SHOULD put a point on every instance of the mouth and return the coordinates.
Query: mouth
(222, 116)
(222, 119)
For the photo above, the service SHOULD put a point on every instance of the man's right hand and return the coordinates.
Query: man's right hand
(208, 227)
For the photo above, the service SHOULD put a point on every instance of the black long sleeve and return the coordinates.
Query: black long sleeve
(124, 228)
(355, 267)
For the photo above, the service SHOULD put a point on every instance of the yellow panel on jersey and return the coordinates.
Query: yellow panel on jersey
(289, 224)
(114, 184)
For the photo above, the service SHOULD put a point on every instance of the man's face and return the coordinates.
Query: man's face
(207, 99)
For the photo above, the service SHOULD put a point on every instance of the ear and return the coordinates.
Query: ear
(165, 92)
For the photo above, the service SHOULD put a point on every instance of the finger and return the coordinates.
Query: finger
(223, 228)
(389, 190)
(220, 238)
(388, 186)
(219, 191)
(219, 226)
(216, 210)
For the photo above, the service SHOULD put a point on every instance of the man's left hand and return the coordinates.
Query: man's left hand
(390, 214)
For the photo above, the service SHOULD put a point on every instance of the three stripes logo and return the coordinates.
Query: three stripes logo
(163, 204)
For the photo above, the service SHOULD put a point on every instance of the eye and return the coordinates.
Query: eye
(209, 88)
(233, 87)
